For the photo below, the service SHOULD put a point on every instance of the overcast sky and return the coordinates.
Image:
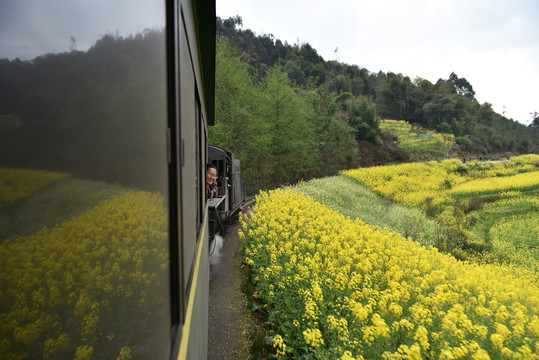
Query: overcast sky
(29, 28)
(494, 44)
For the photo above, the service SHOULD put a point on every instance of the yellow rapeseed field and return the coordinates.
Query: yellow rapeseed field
(59, 286)
(414, 183)
(16, 184)
(497, 184)
(411, 183)
(336, 288)
(413, 140)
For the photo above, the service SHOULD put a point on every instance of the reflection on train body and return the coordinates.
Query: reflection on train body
(103, 239)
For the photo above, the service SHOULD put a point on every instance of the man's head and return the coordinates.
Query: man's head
(211, 174)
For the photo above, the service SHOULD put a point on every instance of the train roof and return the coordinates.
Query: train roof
(219, 148)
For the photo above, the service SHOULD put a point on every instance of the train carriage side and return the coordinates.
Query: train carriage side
(103, 146)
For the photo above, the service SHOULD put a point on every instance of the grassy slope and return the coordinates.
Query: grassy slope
(53, 205)
(350, 198)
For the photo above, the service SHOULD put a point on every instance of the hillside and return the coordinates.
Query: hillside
(294, 115)
(283, 110)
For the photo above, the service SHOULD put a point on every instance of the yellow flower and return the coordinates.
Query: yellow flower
(497, 340)
(313, 337)
(357, 285)
(317, 292)
(279, 345)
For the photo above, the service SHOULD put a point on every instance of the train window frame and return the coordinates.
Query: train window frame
(198, 174)
(177, 298)
(201, 160)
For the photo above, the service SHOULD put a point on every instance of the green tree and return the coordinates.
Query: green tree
(363, 119)
(238, 126)
(327, 101)
(337, 148)
(395, 98)
(284, 113)
(342, 84)
(461, 86)
(535, 119)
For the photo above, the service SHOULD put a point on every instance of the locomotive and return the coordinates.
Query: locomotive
(230, 186)
(104, 223)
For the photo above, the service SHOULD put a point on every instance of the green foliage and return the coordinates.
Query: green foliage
(450, 106)
(461, 86)
(363, 119)
(281, 132)
(341, 96)
(238, 126)
(395, 98)
(535, 119)
(292, 140)
(334, 137)
(464, 142)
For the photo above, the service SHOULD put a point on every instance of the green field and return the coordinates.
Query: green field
(418, 140)
(346, 196)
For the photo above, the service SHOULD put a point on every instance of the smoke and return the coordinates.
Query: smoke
(215, 249)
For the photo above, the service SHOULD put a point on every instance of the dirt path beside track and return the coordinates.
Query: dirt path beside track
(232, 326)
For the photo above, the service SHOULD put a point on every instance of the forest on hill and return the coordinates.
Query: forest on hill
(289, 114)
(282, 109)
(79, 112)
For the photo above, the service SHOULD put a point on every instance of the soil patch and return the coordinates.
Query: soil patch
(374, 155)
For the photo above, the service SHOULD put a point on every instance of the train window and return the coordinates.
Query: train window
(190, 168)
(83, 180)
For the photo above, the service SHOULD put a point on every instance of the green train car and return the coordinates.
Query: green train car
(104, 115)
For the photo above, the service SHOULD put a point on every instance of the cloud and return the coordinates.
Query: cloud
(30, 28)
(493, 44)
